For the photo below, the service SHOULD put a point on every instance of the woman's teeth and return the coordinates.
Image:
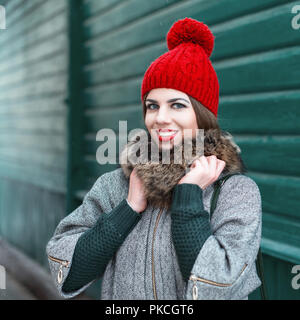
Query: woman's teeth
(167, 134)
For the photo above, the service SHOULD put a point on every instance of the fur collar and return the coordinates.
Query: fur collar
(159, 179)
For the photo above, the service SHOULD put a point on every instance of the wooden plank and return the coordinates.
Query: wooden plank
(11, 6)
(15, 10)
(33, 71)
(280, 194)
(281, 251)
(103, 118)
(123, 92)
(123, 66)
(43, 87)
(42, 105)
(53, 123)
(281, 228)
(91, 8)
(28, 140)
(261, 113)
(35, 157)
(31, 209)
(48, 179)
(263, 30)
(154, 27)
(122, 14)
(50, 29)
(260, 72)
(74, 102)
(271, 154)
(277, 274)
(35, 14)
(38, 52)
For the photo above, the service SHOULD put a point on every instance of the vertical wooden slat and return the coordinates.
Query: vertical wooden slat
(74, 101)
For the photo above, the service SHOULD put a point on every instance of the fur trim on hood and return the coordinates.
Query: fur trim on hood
(160, 178)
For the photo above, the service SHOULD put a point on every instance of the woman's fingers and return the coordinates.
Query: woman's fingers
(203, 161)
(204, 171)
(209, 164)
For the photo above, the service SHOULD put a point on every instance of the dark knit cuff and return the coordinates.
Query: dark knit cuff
(187, 201)
(123, 217)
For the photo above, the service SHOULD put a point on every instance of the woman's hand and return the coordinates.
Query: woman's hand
(136, 196)
(204, 171)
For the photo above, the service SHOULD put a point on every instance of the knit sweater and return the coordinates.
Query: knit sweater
(95, 248)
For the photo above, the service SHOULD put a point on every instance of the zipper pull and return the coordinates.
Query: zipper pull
(60, 274)
(60, 271)
(63, 263)
(195, 288)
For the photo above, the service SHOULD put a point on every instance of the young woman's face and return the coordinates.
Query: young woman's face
(168, 113)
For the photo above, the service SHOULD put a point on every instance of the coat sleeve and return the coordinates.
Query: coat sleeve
(225, 266)
(61, 246)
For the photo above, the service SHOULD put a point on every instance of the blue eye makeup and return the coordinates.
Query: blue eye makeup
(179, 106)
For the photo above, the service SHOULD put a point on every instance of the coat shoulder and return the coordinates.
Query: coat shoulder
(114, 182)
(114, 178)
(241, 183)
(240, 193)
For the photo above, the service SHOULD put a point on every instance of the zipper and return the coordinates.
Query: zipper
(218, 284)
(153, 269)
(63, 263)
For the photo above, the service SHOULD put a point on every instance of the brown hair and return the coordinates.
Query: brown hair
(205, 118)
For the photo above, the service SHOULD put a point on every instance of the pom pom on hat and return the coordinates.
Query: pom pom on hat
(190, 30)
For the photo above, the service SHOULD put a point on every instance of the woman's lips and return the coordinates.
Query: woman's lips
(166, 135)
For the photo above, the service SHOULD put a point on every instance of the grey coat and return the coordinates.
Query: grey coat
(146, 261)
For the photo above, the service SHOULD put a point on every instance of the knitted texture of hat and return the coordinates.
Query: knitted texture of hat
(186, 66)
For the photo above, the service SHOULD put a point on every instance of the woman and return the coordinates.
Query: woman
(145, 227)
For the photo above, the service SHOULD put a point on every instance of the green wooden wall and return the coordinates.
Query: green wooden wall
(85, 61)
(33, 117)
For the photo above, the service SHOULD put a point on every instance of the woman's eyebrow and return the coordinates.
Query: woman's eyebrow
(171, 100)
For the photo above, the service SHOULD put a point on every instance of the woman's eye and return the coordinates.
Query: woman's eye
(179, 105)
(149, 106)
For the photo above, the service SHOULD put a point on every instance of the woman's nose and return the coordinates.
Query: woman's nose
(163, 115)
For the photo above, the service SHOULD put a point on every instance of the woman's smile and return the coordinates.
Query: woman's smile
(166, 134)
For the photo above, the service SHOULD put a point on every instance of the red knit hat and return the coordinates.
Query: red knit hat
(186, 66)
